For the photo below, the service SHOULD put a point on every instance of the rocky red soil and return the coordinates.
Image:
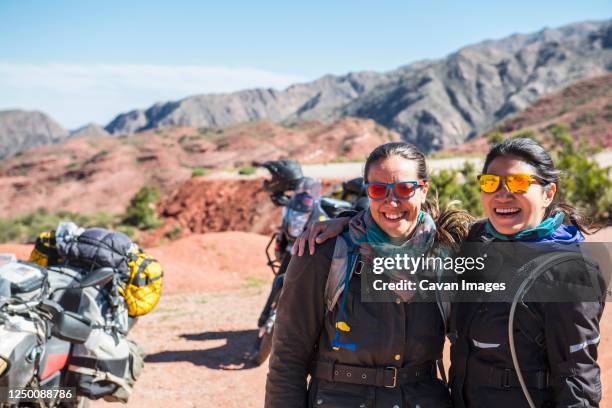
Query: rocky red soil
(204, 204)
(200, 334)
(108, 171)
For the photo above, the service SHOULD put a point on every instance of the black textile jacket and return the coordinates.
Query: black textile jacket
(386, 334)
(559, 355)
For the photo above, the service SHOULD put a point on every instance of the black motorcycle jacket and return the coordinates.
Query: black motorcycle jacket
(556, 345)
(396, 346)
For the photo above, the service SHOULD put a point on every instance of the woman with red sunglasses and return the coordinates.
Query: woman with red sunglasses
(556, 342)
(358, 353)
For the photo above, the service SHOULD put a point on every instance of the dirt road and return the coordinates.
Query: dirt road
(355, 169)
(199, 334)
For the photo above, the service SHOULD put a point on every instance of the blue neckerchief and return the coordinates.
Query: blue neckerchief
(545, 229)
(376, 236)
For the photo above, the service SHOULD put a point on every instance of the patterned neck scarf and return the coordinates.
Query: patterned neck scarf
(374, 242)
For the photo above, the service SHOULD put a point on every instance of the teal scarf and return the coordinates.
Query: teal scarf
(374, 242)
(546, 227)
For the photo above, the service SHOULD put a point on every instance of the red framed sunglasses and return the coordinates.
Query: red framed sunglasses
(403, 190)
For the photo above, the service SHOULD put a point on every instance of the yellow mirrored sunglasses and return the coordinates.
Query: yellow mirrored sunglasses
(515, 183)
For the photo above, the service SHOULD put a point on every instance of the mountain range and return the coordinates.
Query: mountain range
(435, 104)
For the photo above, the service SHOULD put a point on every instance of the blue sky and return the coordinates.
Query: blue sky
(83, 61)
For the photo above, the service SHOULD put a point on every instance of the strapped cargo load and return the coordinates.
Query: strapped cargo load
(139, 274)
(107, 364)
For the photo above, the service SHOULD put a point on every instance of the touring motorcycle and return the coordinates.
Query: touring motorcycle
(303, 207)
(40, 326)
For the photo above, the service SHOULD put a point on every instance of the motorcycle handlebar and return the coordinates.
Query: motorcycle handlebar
(21, 307)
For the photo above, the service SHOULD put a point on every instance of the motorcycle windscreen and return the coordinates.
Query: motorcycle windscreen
(295, 221)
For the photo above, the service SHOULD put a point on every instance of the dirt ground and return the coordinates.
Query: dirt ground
(204, 326)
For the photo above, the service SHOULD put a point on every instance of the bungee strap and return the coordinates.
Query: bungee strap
(102, 376)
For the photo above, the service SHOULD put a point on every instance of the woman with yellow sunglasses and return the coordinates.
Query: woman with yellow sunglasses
(555, 342)
(559, 368)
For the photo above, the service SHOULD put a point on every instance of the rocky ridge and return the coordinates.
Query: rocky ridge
(91, 130)
(21, 130)
(434, 104)
(584, 108)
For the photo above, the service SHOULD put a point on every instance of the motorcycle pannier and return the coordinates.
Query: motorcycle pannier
(25, 280)
(103, 366)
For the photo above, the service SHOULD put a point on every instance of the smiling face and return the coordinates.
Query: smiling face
(511, 213)
(397, 218)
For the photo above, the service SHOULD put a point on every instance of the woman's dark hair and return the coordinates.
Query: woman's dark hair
(532, 153)
(405, 150)
(452, 224)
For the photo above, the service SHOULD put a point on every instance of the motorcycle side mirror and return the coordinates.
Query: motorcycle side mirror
(100, 276)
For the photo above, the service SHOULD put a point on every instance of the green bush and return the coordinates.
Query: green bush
(141, 210)
(175, 232)
(199, 171)
(495, 137)
(25, 228)
(585, 118)
(528, 133)
(459, 185)
(247, 170)
(583, 182)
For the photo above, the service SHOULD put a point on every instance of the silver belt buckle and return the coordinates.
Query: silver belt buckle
(394, 376)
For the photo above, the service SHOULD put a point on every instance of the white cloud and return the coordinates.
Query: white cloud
(75, 94)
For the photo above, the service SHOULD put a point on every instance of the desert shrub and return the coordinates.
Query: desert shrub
(583, 182)
(247, 170)
(141, 210)
(459, 185)
(585, 118)
(96, 157)
(253, 282)
(25, 228)
(495, 137)
(198, 171)
(528, 133)
(175, 232)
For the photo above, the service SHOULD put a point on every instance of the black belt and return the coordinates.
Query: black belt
(483, 374)
(389, 377)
